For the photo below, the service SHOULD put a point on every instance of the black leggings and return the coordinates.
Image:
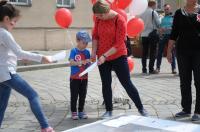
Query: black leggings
(120, 66)
(78, 89)
(188, 63)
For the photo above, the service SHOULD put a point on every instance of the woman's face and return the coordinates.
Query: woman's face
(9, 23)
(102, 16)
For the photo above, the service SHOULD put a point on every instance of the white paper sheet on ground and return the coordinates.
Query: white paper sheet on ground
(90, 68)
(154, 123)
(59, 56)
(119, 122)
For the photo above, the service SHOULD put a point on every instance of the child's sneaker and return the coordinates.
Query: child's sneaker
(74, 116)
(48, 129)
(82, 115)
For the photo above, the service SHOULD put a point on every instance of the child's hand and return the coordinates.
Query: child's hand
(84, 62)
(93, 58)
(88, 60)
(46, 59)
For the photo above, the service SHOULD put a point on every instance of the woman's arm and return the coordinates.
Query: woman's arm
(174, 35)
(10, 42)
(94, 49)
(169, 50)
(95, 38)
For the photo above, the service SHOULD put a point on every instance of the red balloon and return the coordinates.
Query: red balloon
(63, 17)
(130, 63)
(134, 27)
(122, 4)
(93, 1)
(122, 13)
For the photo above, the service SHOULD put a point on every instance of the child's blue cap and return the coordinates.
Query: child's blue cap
(84, 36)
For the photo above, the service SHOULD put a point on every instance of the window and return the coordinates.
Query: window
(66, 3)
(160, 4)
(21, 2)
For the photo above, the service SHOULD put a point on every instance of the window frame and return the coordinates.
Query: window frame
(28, 3)
(72, 3)
(161, 5)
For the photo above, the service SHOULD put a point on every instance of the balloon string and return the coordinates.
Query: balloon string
(70, 39)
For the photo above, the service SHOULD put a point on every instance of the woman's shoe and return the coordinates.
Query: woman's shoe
(182, 114)
(143, 112)
(106, 115)
(196, 117)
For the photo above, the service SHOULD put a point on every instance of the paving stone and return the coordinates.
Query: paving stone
(160, 95)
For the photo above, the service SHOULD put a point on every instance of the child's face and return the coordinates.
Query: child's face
(81, 44)
(9, 23)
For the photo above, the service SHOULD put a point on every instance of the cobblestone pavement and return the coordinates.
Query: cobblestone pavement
(160, 95)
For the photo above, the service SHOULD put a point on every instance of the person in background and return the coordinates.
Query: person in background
(165, 30)
(79, 60)
(108, 44)
(186, 36)
(10, 51)
(151, 21)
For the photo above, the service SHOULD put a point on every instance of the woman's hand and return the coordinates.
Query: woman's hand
(169, 56)
(101, 60)
(169, 50)
(46, 59)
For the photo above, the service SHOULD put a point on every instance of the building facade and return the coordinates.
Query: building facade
(37, 29)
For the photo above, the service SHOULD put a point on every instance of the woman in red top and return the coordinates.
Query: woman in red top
(108, 44)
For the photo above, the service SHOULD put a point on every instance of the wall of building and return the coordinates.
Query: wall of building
(37, 29)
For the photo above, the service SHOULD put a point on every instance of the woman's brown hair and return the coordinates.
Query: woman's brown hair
(7, 9)
(101, 7)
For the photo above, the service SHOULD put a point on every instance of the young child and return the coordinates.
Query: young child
(10, 51)
(79, 61)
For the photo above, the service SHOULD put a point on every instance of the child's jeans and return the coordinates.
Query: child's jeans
(78, 89)
(22, 87)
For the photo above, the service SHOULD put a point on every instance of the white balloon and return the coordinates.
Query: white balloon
(137, 7)
(129, 16)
